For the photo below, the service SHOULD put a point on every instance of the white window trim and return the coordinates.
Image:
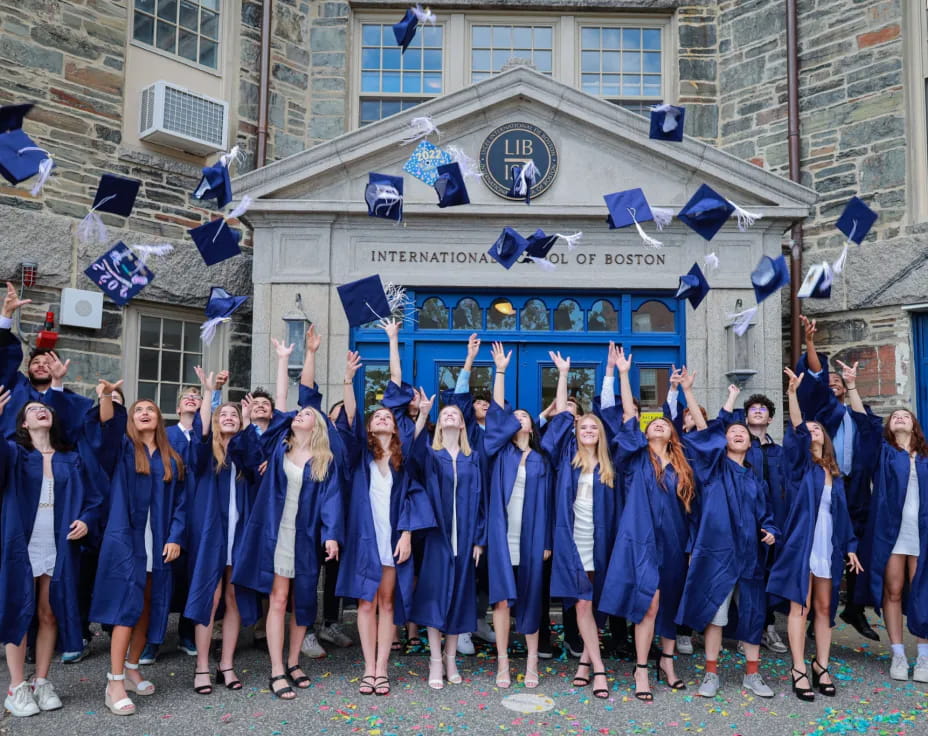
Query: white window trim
(915, 48)
(225, 12)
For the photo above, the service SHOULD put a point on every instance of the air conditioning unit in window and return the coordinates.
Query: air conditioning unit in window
(176, 117)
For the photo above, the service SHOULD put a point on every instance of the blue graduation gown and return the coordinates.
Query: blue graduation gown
(360, 569)
(523, 592)
(77, 498)
(445, 593)
(649, 550)
(569, 581)
(789, 576)
(208, 522)
(118, 593)
(319, 518)
(727, 550)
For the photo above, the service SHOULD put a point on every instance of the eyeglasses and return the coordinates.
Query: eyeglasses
(194, 397)
(37, 407)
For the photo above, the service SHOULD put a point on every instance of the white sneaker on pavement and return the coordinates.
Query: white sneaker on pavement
(311, 646)
(684, 645)
(20, 701)
(465, 644)
(45, 696)
(921, 670)
(485, 632)
(710, 685)
(899, 669)
(333, 634)
(755, 683)
(771, 639)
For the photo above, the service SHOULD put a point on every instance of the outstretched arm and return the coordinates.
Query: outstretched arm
(392, 328)
(808, 327)
(501, 359)
(624, 364)
(686, 383)
(729, 405)
(208, 383)
(607, 393)
(313, 341)
(105, 392)
(352, 364)
(849, 374)
(283, 378)
(425, 406)
(795, 412)
(563, 368)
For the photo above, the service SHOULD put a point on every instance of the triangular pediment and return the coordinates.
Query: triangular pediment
(600, 147)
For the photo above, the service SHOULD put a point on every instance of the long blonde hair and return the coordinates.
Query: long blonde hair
(601, 456)
(319, 448)
(219, 447)
(438, 437)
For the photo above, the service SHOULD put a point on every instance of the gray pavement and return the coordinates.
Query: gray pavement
(867, 702)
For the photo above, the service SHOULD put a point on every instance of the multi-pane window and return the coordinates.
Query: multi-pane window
(186, 28)
(393, 81)
(492, 46)
(168, 350)
(622, 64)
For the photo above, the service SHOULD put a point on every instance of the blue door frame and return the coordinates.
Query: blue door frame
(920, 340)
(432, 347)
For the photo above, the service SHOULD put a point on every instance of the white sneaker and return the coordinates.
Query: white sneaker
(771, 639)
(45, 696)
(20, 701)
(710, 685)
(921, 670)
(755, 683)
(465, 644)
(684, 645)
(485, 632)
(899, 669)
(311, 646)
(333, 634)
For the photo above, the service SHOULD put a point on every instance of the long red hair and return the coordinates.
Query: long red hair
(168, 453)
(395, 447)
(918, 445)
(686, 484)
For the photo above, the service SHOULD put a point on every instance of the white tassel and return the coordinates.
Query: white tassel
(382, 197)
(422, 127)
(402, 306)
(208, 328)
(234, 155)
(469, 167)
(424, 16)
(571, 240)
(828, 275)
(544, 263)
(45, 170)
(742, 320)
(92, 229)
(745, 218)
(662, 216)
(646, 239)
(527, 176)
(237, 212)
(144, 252)
(838, 266)
(670, 116)
(711, 262)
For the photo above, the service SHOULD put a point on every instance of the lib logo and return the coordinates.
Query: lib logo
(514, 144)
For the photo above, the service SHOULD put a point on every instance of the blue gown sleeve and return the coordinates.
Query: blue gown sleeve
(93, 509)
(11, 357)
(354, 437)
(310, 396)
(797, 445)
(816, 399)
(870, 441)
(557, 439)
(463, 400)
(675, 419)
(396, 399)
(765, 512)
(502, 426)
(330, 511)
(481, 530)
(416, 512)
(183, 495)
(549, 505)
(706, 449)
(612, 419)
(629, 441)
(106, 438)
(247, 453)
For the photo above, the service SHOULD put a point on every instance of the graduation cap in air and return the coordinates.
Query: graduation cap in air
(667, 122)
(119, 273)
(771, 275)
(706, 211)
(216, 241)
(693, 286)
(817, 283)
(219, 308)
(364, 301)
(116, 195)
(508, 248)
(524, 177)
(216, 183)
(450, 186)
(630, 207)
(540, 244)
(384, 196)
(11, 116)
(855, 222)
(21, 159)
(405, 30)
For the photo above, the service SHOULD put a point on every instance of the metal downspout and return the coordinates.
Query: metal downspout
(792, 105)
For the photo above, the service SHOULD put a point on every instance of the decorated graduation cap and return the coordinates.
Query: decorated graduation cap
(667, 122)
(405, 30)
(524, 177)
(771, 275)
(424, 162)
(367, 299)
(693, 286)
(540, 244)
(630, 207)
(216, 182)
(450, 186)
(116, 195)
(219, 308)
(21, 159)
(120, 273)
(817, 283)
(508, 248)
(384, 196)
(11, 116)
(855, 222)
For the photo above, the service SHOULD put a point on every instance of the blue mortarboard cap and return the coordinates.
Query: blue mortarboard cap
(384, 196)
(215, 184)
(817, 283)
(667, 123)
(540, 244)
(119, 274)
(450, 186)
(706, 211)
(693, 286)
(771, 275)
(216, 241)
(524, 177)
(623, 205)
(508, 248)
(856, 220)
(20, 157)
(364, 301)
(222, 304)
(11, 116)
(116, 194)
(405, 30)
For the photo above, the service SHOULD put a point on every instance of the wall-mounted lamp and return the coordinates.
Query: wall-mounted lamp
(30, 273)
(740, 350)
(297, 323)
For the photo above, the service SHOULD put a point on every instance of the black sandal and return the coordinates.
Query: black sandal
(580, 681)
(678, 685)
(234, 685)
(366, 687)
(396, 645)
(802, 693)
(646, 697)
(825, 688)
(382, 686)
(202, 689)
(601, 693)
(300, 682)
(284, 693)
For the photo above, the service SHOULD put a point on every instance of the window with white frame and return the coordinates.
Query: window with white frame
(167, 349)
(623, 64)
(493, 46)
(188, 29)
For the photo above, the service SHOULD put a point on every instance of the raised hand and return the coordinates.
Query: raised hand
(500, 357)
(207, 380)
(676, 376)
(222, 378)
(313, 340)
(622, 362)
(12, 302)
(425, 402)
(687, 379)
(352, 365)
(808, 329)
(849, 374)
(733, 391)
(473, 346)
(562, 364)
(56, 368)
(105, 388)
(246, 408)
(283, 350)
(794, 380)
(391, 327)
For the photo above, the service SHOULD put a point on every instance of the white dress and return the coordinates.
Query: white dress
(820, 558)
(514, 515)
(583, 520)
(42, 550)
(381, 487)
(233, 515)
(284, 562)
(149, 544)
(907, 543)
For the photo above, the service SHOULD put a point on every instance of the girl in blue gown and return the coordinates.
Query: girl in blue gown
(48, 503)
(817, 535)
(519, 521)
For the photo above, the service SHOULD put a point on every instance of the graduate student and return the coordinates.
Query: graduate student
(520, 522)
(48, 501)
(149, 486)
(817, 535)
(297, 511)
(584, 521)
(724, 586)
(385, 506)
(648, 564)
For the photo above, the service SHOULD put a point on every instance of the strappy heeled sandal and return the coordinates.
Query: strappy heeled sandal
(301, 682)
(531, 673)
(825, 688)
(366, 686)
(436, 673)
(143, 688)
(580, 680)
(284, 693)
(202, 689)
(382, 686)
(234, 685)
(802, 693)
(679, 684)
(645, 696)
(601, 693)
(503, 678)
(123, 706)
